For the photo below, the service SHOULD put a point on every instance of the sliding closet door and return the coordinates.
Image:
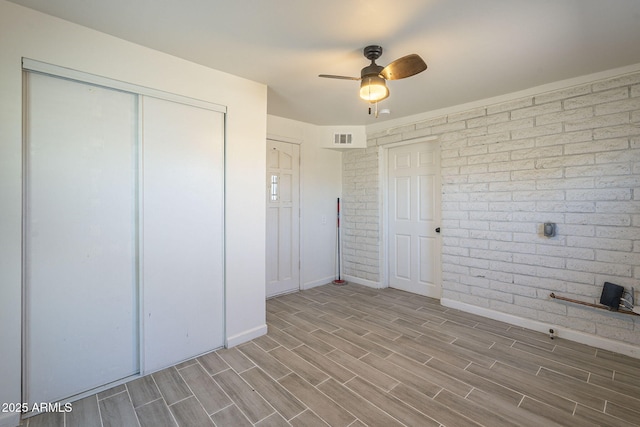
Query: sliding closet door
(183, 232)
(80, 234)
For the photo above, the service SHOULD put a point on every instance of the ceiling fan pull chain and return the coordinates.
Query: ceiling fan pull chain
(375, 111)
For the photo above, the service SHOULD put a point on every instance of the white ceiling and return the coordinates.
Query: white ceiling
(475, 49)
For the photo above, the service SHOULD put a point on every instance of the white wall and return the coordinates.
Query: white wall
(25, 33)
(358, 136)
(567, 153)
(320, 182)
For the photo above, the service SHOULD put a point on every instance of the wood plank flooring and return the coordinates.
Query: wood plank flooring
(355, 356)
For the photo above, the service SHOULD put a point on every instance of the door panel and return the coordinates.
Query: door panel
(403, 257)
(183, 232)
(283, 206)
(403, 199)
(426, 185)
(286, 190)
(285, 255)
(427, 249)
(413, 214)
(80, 235)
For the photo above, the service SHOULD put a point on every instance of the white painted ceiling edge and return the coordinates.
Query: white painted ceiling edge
(475, 50)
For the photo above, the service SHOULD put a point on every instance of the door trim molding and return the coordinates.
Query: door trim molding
(298, 142)
(383, 177)
(431, 138)
(279, 138)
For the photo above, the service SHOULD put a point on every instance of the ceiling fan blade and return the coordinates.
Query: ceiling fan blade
(331, 76)
(406, 66)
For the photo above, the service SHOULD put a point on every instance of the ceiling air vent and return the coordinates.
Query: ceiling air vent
(342, 139)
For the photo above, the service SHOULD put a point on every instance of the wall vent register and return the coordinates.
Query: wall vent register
(342, 139)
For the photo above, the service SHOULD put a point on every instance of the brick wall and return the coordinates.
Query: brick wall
(361, 214)
(572, 157)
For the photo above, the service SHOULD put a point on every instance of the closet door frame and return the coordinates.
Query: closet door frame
(34, 66)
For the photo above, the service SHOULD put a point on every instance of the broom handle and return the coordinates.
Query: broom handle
(338, 230)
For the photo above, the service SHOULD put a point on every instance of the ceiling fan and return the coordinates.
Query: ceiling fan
(373, 77)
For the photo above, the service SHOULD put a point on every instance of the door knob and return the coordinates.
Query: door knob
(438, 230)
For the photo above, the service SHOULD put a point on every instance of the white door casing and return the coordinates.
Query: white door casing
(283, 207)
(413, 214)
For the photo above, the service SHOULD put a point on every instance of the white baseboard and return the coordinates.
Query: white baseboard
(246, 336)
(9, 420)
(364, 282)
(319, 282)
(559, 331)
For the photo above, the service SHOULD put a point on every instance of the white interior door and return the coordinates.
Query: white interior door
(80, 234)
(413, 216)
(283, 207)
(182, 258)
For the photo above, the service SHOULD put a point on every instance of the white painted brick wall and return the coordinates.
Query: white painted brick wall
(360, 214)
(571, 156)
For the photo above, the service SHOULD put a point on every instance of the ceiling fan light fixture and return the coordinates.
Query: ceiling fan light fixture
(373, 78)
(373, 89)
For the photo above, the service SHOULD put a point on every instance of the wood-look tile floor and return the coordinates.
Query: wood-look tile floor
(355, 356)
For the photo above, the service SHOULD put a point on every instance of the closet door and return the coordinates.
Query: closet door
(80, 234)
(183, 232)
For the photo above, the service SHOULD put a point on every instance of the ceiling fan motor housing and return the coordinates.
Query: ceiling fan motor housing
(372, 52)
(371, 70)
